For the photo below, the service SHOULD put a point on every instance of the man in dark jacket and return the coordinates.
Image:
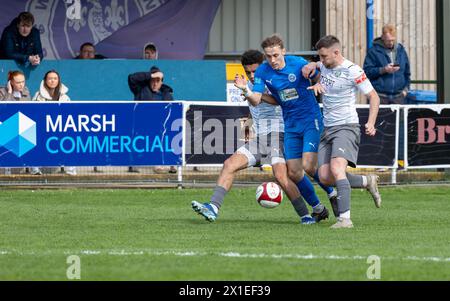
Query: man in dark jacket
(387, 67)
(21, 41)
(149, 85)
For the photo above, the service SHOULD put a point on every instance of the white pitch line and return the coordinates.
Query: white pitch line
(220, 254)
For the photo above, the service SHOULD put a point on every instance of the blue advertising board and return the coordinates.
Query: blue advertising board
(90, 134)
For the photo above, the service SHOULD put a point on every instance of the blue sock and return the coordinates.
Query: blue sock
(308, 192)
(328, 189)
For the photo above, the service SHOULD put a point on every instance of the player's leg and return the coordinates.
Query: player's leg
(324, 170)
(338, 167)
(297, 175)
(346, 145)
(369, 182)
(311, 142)
(241, 159)
(344, 151)
(275, 156)
(294, 153)
(292, 192)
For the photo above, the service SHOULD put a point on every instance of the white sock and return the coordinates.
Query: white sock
(346, 214)
(334, 193)
(214, 207)
(364, 178)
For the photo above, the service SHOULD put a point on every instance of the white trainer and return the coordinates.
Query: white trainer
(342, 223)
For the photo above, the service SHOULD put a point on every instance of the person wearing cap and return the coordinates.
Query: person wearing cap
(149, 85)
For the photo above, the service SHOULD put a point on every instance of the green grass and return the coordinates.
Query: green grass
(142, 235)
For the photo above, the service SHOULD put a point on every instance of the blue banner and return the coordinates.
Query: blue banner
(90, 134)
(118, 28)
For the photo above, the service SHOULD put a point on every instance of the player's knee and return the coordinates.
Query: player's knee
(326, 180)
(337, 171)
(282, 179)
(295, 175)
(229, 165)
(310, 169)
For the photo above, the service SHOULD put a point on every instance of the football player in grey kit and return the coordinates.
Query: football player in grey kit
(338, 81)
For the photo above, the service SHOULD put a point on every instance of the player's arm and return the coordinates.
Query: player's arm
(311, 71)
(269, 99)
(254, 98)
(364, 86)
(374, 101)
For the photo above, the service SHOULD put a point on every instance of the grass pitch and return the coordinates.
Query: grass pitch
(155, 235)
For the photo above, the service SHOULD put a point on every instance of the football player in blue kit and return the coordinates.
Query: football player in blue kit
(301, 113)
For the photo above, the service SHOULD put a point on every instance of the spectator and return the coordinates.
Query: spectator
(150, 52)
(87, 52)
(15, 89)
(149, 86)
(21, 41)
(387, 67)
(52, 89)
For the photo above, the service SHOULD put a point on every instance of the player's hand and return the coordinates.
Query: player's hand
(317, 88)
(370, 129)
(240, 82)
(309, 70)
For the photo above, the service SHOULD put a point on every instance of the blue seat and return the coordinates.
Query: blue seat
(421, 97)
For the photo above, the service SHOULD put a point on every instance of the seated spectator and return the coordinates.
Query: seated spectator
(149, 86)
(150, 52)
(15, 89)
(87, 52)
(52, 89)
(21, 41)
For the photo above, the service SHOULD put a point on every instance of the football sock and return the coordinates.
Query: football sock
(328, 189)
(300, 207)
(346, 214)
(356, 181)
(318, 208)
(218, 196)
(344, 193)
(308, 192)
(215, 209)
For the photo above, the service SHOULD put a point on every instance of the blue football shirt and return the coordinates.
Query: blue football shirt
(289, 87)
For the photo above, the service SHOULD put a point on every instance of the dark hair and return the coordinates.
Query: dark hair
(57, 92)
(150, 46)
(25, 18)
(273, 40)
(251, 57)
(327, 42)
(13, 73)
(86, 44)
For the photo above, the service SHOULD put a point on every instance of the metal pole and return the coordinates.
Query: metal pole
(369, 22)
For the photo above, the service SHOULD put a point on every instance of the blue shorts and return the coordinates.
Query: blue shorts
(295, 144)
